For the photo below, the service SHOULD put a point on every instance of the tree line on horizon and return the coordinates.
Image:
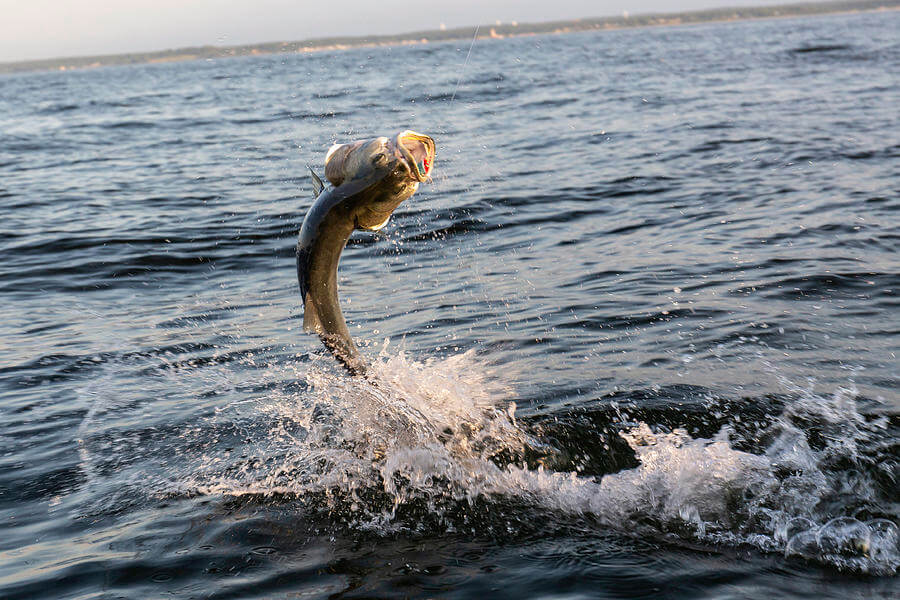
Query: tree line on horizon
(441, 35)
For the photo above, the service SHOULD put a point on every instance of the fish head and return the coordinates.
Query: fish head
(380, 173)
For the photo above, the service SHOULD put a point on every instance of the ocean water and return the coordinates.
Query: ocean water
(638, 339)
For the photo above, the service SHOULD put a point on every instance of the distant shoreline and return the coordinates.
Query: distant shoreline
(484, 32)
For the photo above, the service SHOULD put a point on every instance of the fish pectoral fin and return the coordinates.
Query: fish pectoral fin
(380, 225)
(318, 186)
(311, 321)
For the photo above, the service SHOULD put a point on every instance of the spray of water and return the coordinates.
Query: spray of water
(425, 442)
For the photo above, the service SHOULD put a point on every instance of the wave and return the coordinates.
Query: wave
(820, 48)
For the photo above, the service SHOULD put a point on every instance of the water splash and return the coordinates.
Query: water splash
(427, 444)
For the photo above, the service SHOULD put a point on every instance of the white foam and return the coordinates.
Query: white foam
(432, 432)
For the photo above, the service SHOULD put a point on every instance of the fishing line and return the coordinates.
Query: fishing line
(465, 64)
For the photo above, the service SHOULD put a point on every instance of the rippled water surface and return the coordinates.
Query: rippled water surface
(638, 339)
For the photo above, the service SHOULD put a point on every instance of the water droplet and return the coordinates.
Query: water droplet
(884, 541)
(844, 536)
(792, 528)
(803, 544)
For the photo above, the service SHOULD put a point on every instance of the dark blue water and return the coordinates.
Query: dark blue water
(638, 339)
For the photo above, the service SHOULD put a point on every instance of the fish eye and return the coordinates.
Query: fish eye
(379, 159)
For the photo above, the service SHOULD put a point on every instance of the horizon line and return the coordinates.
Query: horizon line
(497, 30)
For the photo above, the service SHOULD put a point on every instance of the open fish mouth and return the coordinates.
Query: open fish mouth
(417, 151)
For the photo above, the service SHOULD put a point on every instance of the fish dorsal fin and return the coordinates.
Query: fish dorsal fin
(318, 186)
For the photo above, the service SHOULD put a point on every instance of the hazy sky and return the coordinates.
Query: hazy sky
(54, 28)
